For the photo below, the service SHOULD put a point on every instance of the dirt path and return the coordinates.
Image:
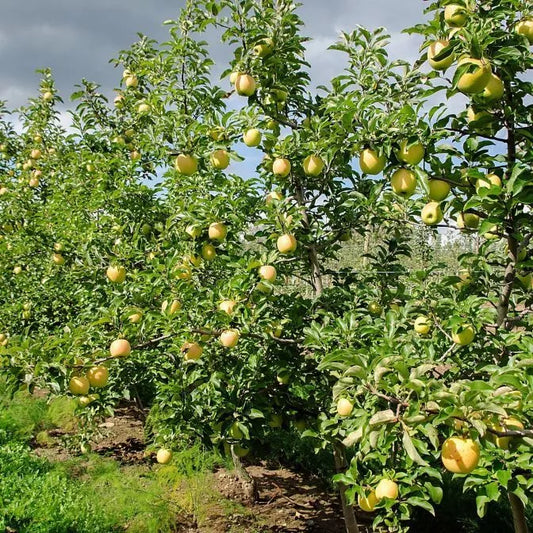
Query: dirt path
(288, 501)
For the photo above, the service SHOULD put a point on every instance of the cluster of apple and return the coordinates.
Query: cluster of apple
(461, 335)
(386, 488)
(96, 376)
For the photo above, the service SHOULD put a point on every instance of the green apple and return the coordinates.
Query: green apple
(489, 181)
(375, 308)
(434, 50)
(186, 164)
(525, 28)
(403, 182)
(468, 220)
(283, 377)
(431, 214)
(412, 155)
(455, 15)
(463, 334)
(252, 137)
(264, 47)
(476, 78)
(494, 90)
(422, 325)
(438, 190)
(220, 159)
(371, 162)
(313, 165)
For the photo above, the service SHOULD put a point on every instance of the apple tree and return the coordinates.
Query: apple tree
(137, 264)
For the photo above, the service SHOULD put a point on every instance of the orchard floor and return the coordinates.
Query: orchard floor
(288, 501)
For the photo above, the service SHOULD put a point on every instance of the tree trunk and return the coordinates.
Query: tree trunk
(519, 515)
(341, 465)
(249, 486)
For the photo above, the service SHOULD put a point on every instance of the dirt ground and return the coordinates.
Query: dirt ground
(288, 502)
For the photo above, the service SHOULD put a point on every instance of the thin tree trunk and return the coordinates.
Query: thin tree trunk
(249, 484)
(341, 465)
(519, 515)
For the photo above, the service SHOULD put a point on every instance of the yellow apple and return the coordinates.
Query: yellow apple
(98, 376)
(227, 306)
(183, 272)
(48, 96)
(186, 164)
(131, 81)
(467, 220)
(193, 231)
(34, 182)
(367, 503)
(229, 338)
(264, 47)
(116, 274)
(281, 167)
(474, 80)
(220, 159)
(164, 456)
(479, 120)
(170, 308)
(209, 252)
(463, 334)
(438, 189)
(455, 15)
(135, 317)
(58, 259)
(422, 325)
(36, 153)
(79, 385)
(217, 231)
(313, 165)
(143, 108)
(119, 100)
(274, 196)
(403, 182)
(525, 28)
(435, 49)
(371, 162)
(252, 137)
(268, 273)
(431, 214)
(375, 308)
(492, 233)
(344, 407)
(460, 455)
(387, 488)
(286, 243)
(120, 348)
(191, 351)
(58, 247)
(135, 155)
(508, 424)
(489, 181)
(245, 85)
(17, 270)
(3, 190)
(411, 155)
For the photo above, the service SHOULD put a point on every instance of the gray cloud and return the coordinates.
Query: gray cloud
(77, 39)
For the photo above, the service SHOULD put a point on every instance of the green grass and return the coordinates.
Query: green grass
(88, 494)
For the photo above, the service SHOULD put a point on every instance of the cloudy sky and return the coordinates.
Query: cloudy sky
(76, 38)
